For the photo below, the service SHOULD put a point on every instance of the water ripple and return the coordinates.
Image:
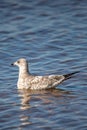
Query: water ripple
(52, 36)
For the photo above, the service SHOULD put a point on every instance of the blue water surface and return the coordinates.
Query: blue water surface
(52, 36)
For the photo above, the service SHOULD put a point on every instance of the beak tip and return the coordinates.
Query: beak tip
(12, 64)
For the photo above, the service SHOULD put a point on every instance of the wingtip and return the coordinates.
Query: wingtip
(67, 76)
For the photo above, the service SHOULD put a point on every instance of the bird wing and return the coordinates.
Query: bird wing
(44, 82)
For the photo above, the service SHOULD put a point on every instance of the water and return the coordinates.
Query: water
(52, 35)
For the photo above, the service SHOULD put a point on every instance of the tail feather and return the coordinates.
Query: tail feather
(68, 76)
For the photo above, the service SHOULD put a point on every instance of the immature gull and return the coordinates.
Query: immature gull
(28, 81)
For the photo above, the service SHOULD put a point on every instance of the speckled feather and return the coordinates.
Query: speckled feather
(28, 81)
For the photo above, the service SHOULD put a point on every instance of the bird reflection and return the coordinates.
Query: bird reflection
(32, 100)
(25, 98)
(27, 95)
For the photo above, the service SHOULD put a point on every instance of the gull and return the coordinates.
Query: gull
(28, 81)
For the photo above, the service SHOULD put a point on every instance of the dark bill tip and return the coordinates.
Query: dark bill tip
(12, 64)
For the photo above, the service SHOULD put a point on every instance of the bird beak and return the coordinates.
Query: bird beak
(12, 64)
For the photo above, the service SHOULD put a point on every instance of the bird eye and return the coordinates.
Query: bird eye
(18, 61)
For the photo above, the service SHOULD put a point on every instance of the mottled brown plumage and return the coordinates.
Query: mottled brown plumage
(28, 81)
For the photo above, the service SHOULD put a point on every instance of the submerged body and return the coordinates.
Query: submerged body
(28, 81)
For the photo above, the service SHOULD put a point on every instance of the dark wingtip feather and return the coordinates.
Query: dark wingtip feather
(67, 76)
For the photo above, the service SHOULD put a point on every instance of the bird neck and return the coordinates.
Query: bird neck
(23, 71)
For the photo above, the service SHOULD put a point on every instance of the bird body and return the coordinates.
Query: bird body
(39, 82)
(28, 81)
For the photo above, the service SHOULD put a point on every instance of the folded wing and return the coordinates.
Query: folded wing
(44, 82)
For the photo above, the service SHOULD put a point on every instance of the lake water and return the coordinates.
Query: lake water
(52, 35)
